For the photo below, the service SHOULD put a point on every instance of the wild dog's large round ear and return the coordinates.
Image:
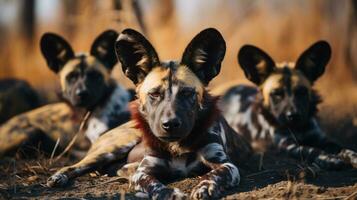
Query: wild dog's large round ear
(56, 50)
(313, 61)
(103, 48)
(256, 64)
(204, 54)
(136, 54)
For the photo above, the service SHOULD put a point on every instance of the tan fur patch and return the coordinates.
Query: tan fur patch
(91, 62)
(158, 77)
(274, 81)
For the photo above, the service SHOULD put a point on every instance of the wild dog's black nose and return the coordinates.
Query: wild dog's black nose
(81, 93)
(292, 117)
(171, 124)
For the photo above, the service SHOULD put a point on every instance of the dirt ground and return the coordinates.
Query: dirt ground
(279, 177)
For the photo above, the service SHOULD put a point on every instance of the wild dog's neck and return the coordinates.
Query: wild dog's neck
(206, 116)
(106, 96)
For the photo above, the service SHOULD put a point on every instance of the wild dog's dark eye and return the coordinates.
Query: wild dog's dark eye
(71, 77)
(277, 93)
(155, 94)
(301, 91)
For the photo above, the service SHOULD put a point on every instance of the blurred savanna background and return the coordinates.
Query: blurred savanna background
(282, 28)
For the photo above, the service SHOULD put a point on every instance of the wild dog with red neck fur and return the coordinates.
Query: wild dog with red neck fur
(184, 133)
(281, 111)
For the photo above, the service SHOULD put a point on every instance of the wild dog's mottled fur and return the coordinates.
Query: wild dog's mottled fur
(86, 86)
(108, 153)
(183, 131)
(281, 111)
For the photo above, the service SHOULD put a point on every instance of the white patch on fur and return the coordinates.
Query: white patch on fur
(291, 146)
(99, 120)
(246, 118)
(223, 135)
(232, 109)
(178, 194)
(95, 128)
(140, 172)
(200, 56)
(266, 127)
(142, 195)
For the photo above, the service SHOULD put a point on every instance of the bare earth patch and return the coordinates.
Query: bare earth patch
(280, 178)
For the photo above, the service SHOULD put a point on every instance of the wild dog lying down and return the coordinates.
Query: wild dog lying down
(86, 86)
(281, 111)
(183, 133)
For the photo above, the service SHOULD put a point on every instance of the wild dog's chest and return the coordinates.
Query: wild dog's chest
(112, 113)
(190, 162)
(186, 165)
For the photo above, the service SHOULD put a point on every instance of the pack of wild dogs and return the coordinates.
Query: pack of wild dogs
(173, 127)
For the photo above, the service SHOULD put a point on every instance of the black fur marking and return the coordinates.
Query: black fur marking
(204, 54)
(56, 50)
(256, 64)
(103, 48)
(286, 80)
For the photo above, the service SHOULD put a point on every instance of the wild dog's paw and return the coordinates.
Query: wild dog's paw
(330, 162)
(57, 180)
(349, 156)
(128, 170)
(206, 189)
(169, 194)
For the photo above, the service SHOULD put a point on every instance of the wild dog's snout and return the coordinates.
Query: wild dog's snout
(292, 116)
(81, 91)
(170, 123)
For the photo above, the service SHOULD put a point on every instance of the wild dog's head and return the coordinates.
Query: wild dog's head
(286, 87)
(85, 78)
(171, 93)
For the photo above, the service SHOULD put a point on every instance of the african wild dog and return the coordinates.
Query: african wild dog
(183, 131)
(281, 111)
(180, 130)
(86, 86)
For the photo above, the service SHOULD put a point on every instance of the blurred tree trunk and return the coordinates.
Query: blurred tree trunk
(131, 14)
(117, 4)
(139, 15)
(351, 44)
(164, 12)
(70, 10)
(28, 21)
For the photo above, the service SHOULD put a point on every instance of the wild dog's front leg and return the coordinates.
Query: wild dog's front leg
(331, 147)
(88, 164)
(223, 174)
(349, 156)
(113, 146)
(145, 179)
(310, 154)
